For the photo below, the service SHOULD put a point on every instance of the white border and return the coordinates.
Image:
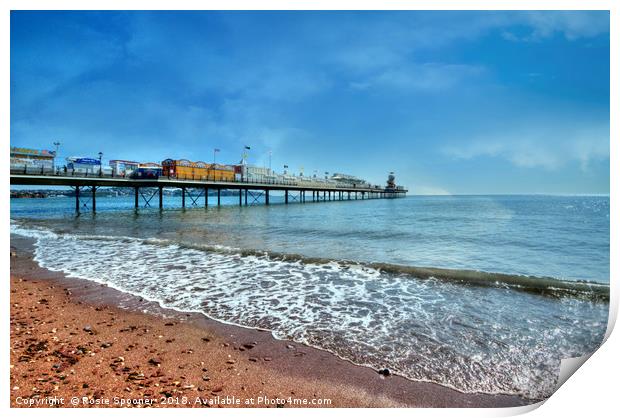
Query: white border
(591, 391)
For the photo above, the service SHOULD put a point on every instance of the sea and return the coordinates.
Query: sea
(483, 294)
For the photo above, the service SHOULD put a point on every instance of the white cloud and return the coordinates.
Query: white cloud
(571, 24)
(544, 147)
(428, 76)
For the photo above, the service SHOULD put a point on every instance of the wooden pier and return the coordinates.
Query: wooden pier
(193, 191)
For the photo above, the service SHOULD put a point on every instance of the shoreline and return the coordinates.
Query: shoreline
(62, 325)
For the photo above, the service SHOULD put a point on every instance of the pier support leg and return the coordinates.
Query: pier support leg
(301, 197)
(324, 195)
(161, 197)
(267, 197)
(349, 195)
(77, 200)
(286, 197)
(183, 197)
(219, 193)
(94, 191)
(246, 197)
(136, 191)
(240, 197)
(206, 197)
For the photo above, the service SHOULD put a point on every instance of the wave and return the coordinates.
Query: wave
(541, 285)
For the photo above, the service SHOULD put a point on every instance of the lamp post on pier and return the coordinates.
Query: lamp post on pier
(244, 156)
(56, 144)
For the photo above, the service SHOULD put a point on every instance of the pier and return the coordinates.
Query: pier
(196, 192)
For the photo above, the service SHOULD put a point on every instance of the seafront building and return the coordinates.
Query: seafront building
(23, 158)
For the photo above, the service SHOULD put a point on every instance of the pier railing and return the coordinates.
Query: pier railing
(309, 183)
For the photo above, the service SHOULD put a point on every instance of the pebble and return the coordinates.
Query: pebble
(155, 361)
(384, 372)
(89, 330)
(136, 376)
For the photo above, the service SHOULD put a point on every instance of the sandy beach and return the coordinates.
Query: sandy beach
(78, 343)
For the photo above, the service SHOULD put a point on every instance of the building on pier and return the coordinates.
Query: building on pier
(32, 159)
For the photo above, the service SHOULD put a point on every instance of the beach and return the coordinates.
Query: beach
(72, 338)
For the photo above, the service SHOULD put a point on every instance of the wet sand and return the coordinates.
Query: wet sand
(73, 338)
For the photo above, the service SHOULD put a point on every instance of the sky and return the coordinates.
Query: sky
(467, 102)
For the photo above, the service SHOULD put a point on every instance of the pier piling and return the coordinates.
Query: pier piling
(94, 191)
(77, 199)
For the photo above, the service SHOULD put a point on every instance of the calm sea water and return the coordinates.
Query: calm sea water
(227, 263)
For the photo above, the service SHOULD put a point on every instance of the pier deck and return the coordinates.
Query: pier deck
(86, 186)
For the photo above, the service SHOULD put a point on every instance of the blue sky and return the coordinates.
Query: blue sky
(453, 102)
